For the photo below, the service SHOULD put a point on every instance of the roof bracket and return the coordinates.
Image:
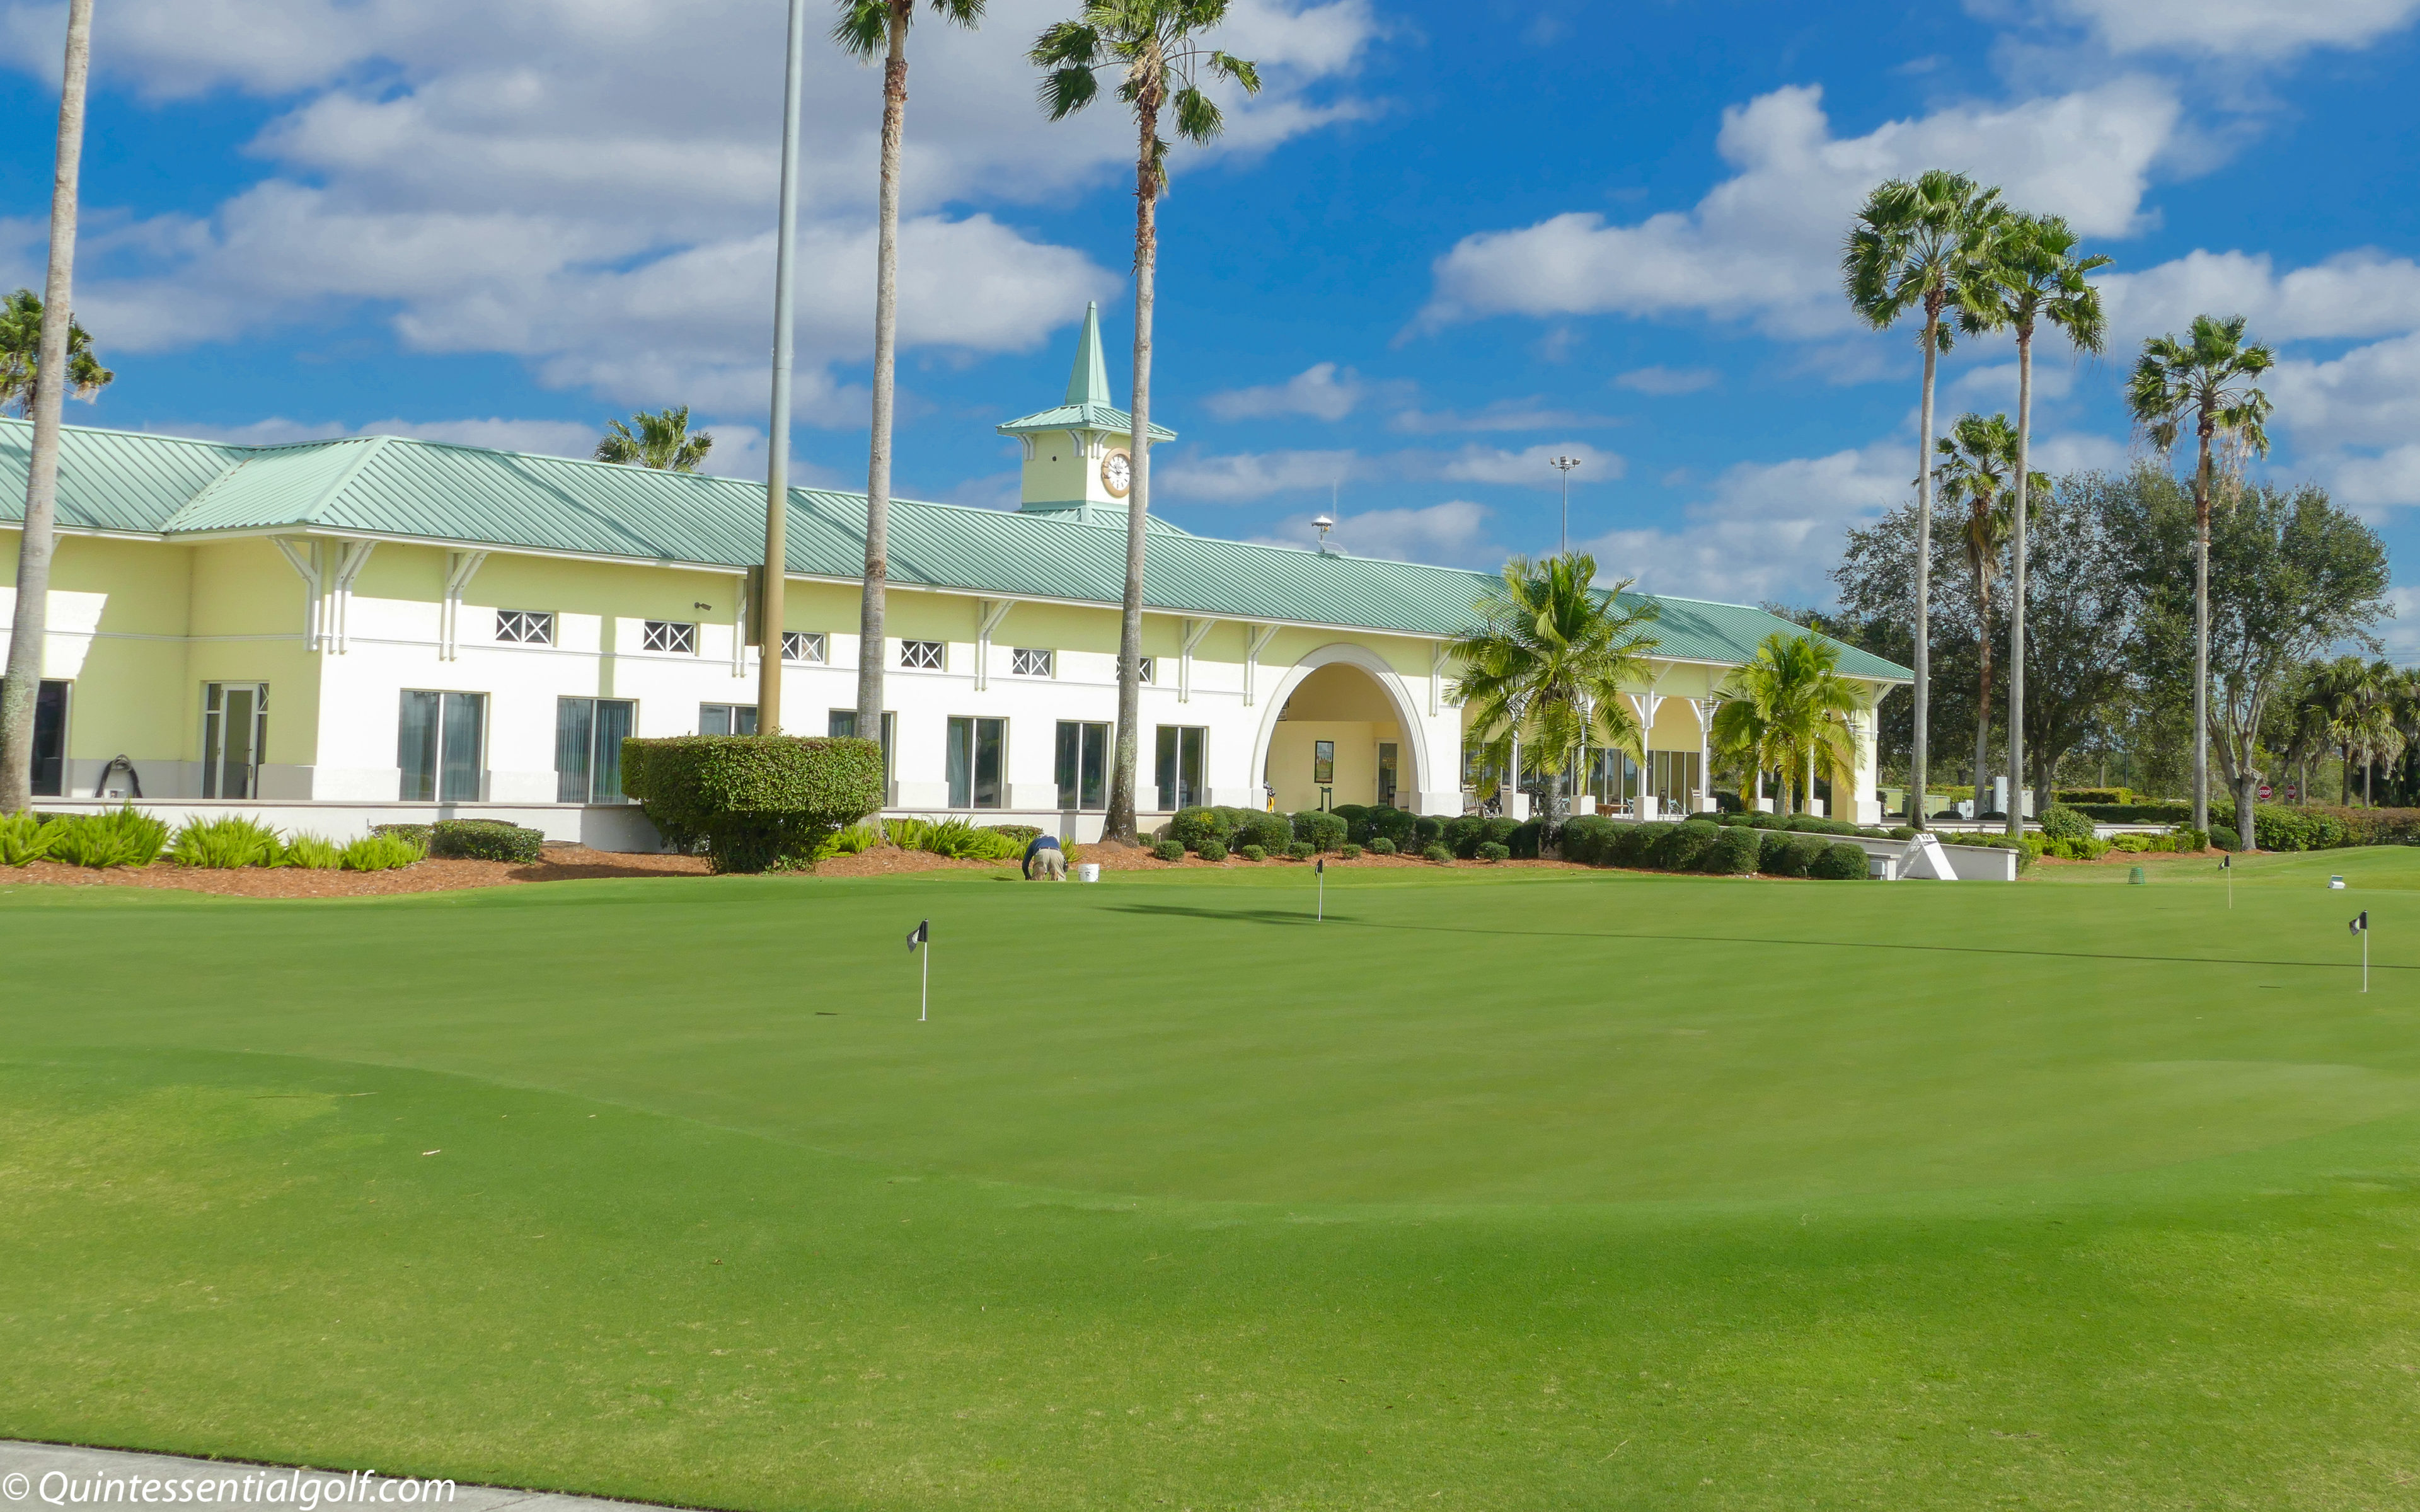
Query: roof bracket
(302, 554)
(989, 613)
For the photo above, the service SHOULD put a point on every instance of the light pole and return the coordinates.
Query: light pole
(1564, 465)
(777, 440)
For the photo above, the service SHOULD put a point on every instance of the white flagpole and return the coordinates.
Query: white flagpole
(925, 1000)
(2365, 960)
(1321, 917)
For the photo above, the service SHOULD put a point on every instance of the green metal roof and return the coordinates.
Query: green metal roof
(1088, 406)
(398, 487)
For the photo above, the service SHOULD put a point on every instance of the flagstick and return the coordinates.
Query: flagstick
(1321, 917)
(2365, 960)
(925, 1000)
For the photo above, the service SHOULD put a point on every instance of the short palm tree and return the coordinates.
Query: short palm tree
(864, 27)
(1802, 709)
(1921, 245)
(659, 440)
(2035, 275)
(1153, 48)
(20, 355)
(1978, 465)
(1545, 666)
(2210, 380)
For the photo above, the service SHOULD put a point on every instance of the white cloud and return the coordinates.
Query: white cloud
(1318, 390)
(1667, 380)
(1244, 476)
(1528, 467)
(1503, 415)
(1764, 244)
(2402, 633)
(2361, 293)
(1993, 386)
(1763, 529)
(2236, 28)
(1451, 534)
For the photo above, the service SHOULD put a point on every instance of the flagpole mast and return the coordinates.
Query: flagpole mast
(924, 995)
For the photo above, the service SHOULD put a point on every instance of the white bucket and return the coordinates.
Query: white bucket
(1088, 871)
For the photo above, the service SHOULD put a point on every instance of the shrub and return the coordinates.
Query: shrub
(959, 838)
(1732, 854)
(1768, 821)
(1588, 839)
(1728, 802)
(1271, 832)
(1792, 857)
(1349, 851)
(1301, 850)
(311, 853)
(485, 840)
(1680, 847)
(1497, 829)
(2060, 821)
(2136, 814)
(25, 838)
(1636, 845)
(1190, 826)
(2191, 840)
(1839, 861)
(2029, 850)
(2084, 849)
(223, 843)
(1437, 853)
(1463, 835)
(120, 838)
(756, 801)
(1901, 832)
(1394, 824)
(1426, 828)
(379, 853)
(1252, 853)
(1527, 841)
(1381, 845)
(1491, 852)
(2136, 844)
(1210, 850)
(2079, 795)
(1356, 820)
(855, 839)
(419, 835)
(1168, 850)
(1021, 835)
(1320, 831)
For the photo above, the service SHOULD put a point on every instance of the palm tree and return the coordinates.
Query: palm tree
(1921, 246)
(21, 359)
(1547, 664)
(1153, 48)
(2371, 729)
(2331, 692)
(2212, 379)
(659, 440)
(2035, 276)
(1788, 706)
(29, 623)
(1979, 463)
(863, 27)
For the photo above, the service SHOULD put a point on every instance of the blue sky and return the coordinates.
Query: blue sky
(1449, 241)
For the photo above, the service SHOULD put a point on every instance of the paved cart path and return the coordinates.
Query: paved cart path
(57, 1474)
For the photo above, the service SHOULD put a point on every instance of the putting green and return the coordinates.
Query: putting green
(1502, 1189)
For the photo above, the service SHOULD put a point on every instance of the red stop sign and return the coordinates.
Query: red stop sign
(2264, 790)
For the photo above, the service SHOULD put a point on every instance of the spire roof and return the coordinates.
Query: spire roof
(1088, 406)
(1090, 381)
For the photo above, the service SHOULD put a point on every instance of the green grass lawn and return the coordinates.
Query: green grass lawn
(1504, 1190)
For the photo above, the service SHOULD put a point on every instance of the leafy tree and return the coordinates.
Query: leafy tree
(20, 355)
(659, 440)
(1547, 662)
(2211, 380)
(1788, 708)
(2083, 612)
(2035, 276)
(2286, 577)
(864, 26)
(1922, 245)
(1155, 48)
(1978, 464)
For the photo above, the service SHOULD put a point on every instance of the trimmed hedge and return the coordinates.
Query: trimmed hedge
(757, 801)
(1588, 839)
(1168, 850)
(1839, 862)
(1321, 832)
(1527, 841)
(1490, 851)
(1252, 853)
(2060, 821)
(1732, 854)
(1301, 850)
(1436, 853)
(1770, 844)
(1210, 850)
(2136, 814)
(1680, 848)
(1381, 845)
(1350, 852)
(485, 840)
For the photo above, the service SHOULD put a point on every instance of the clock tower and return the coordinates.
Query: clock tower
(1076, 460)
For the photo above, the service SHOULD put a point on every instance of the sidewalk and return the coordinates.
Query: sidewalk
(34, 1475)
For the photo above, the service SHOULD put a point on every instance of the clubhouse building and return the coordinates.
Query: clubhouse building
(375, 629)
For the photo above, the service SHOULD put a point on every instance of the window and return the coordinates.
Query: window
(525, 627)
(441, 740)
(1672, 778)
(843, 722)
(51, 739)
(977, 748)
(1181, 764)
(805, 645)
(1083, 765)
(1389, 761)
(726, 718)
(234, 726)
(1323, 762)
(669, 635)
(588, 735)
(924, 655)
(1024, 663)
(1144, 674)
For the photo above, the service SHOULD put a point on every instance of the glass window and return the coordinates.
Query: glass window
(1613, 777)
(805, 645)
(234, 726)
(525, 627)
(726, 718)
(1323, 762)
(1083, 765)
(51, 739)
(1183, 753)
(1028, 663)
(441, 738)
(1389, 761)
(1144, 674)
(976, 752)
(923, 655)
(588, 735)
(669, 635)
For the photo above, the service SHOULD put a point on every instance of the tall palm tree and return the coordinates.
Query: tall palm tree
(2035, 276)
(2210, 379)
(20, 355)
(1547, 664)
(1978, 464)
(2371, 729)
(2329, 694)
(1788, 706)
(659, 439)
(1921, 245)
(1155, 48)
(29, 624)
(865, 25)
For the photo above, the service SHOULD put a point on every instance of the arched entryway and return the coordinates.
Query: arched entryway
(1340, 727)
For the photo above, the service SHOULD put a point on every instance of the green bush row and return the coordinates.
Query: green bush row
(128, 837)
(755, 801)
(1703, 844)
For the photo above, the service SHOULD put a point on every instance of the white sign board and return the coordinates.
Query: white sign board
(1924, 858)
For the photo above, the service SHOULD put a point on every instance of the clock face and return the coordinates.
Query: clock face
(1117, 473)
